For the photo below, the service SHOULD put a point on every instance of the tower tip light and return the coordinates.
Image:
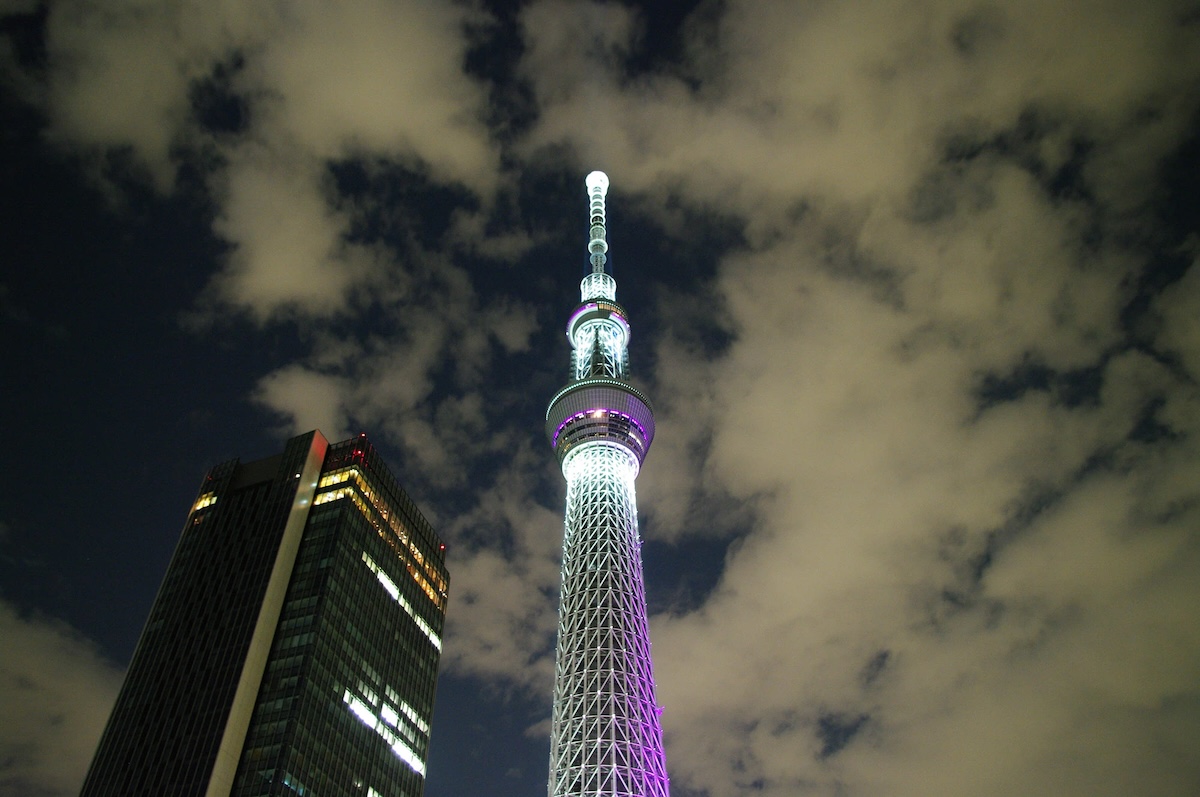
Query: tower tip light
(597, 180)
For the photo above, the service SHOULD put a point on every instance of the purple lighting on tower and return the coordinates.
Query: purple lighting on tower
(605, 738)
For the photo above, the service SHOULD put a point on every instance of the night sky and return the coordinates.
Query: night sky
(913, 286)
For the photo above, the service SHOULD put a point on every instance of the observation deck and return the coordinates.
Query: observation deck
(600, 410)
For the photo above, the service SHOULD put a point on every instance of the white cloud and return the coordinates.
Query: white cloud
(376, 78)
(307, 399)
(290, 254)
(1180, 306)
(967, 503)
(504, 566)
(372, 79)
(853, 101)
(121, 71)
(944, 590)
(431, 324)
(57, 692)
(940, 590)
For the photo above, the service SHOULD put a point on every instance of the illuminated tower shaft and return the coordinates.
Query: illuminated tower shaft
(606, 740)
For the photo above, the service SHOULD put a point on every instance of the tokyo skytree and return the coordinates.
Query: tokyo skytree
(605, 738)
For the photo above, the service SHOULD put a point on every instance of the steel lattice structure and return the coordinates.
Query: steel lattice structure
(606, 739)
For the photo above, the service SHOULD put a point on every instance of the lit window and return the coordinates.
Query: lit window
(208, 499)
(422, 572)
(360, 709)
(366, 715)
(412, 715)
(394, 591)
(293, 783)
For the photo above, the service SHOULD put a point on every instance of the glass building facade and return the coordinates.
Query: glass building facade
(294, 644)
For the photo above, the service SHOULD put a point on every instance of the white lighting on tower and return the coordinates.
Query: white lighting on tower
(597, 181)
(605, 738)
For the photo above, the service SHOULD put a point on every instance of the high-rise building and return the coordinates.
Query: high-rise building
(605, 738)
(293, 646)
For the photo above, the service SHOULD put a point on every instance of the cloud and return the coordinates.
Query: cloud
(855, 102)
(962, 482)
(1180, 312)
(973, 503)
(308, 399)
(317, 134)
(57, 692)
(419, 376)
(263, 102)
(375, 77)
(505, 570)
(18, 7)
(290, 253)
(470, 231)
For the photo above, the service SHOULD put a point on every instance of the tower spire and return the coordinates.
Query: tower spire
(605, 738)
(599, 284)
(597, 188)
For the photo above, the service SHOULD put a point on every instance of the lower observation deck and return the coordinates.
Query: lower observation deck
(600, 410)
